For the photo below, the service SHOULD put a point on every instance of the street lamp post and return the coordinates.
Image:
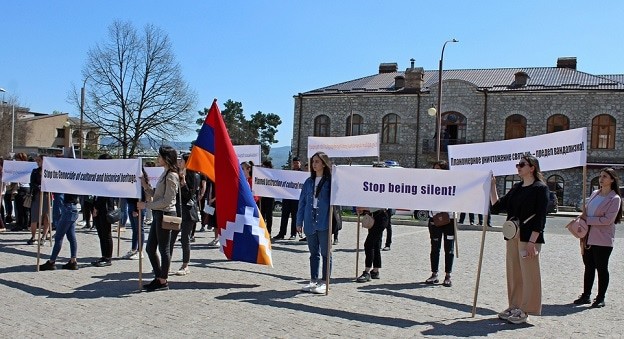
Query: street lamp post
(82, 103)
(438, 110)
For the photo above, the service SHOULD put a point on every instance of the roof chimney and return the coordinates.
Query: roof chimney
(389, 67)
(412, 62)
(399, 81)
(520, 79)
(566, 62)
(414, 78)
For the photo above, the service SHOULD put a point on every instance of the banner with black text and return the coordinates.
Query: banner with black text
(284, 184)
(559, 150)
(17, 171)
(248, 153)
(117, 178)
(408, 188)
(345, 147)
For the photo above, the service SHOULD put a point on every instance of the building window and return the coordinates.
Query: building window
(556, 184)
(321, 126)
(390, 129)
(603, 132)
(515, 127)
(356, 128)
(557, 123)
(453, 129)
(510, 180)
(60, 133)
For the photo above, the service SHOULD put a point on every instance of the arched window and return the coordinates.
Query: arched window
(603, 132)
(557, 122)
(515, 127)
(390, 129)
(356, 128)
(453, 129)
(510, 180)
(91, 137)
(556, 184)
(321, 126)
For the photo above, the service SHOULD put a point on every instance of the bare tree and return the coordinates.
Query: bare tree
(135, 88)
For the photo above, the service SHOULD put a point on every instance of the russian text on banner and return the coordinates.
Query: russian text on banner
(243, 234)
(345, 147)
(559, 150)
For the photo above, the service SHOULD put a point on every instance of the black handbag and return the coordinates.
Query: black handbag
(113, 216)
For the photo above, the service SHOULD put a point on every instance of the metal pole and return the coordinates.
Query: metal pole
(12, 127)
(439, 133)
(82, 102)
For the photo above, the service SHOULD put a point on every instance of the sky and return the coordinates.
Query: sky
(262, 53)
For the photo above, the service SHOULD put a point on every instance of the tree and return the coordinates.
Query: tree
(135, 88)
(260, 129)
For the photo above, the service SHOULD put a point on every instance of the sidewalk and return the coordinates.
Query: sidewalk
(231, 299)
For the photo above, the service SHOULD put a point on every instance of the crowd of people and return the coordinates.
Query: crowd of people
(191, 196)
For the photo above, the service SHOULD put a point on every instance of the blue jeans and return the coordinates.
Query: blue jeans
(123, 211)
(134, 223)
(66, 226)
(57, 206)
(317, 244)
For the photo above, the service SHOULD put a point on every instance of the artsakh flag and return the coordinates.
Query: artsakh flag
(243, 233)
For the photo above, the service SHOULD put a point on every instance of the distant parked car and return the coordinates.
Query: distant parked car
(553, 202)
(277, 206)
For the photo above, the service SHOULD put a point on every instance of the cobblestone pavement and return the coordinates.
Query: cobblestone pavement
(230, 299)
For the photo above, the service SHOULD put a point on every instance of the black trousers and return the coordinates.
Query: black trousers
(159, 239)
(596, 258)
(186, 229)
(438, 235)
(266, 209)
(372, 244)
(289, 211)
(104, 231)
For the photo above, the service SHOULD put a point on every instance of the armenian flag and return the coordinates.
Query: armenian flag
(242, 231)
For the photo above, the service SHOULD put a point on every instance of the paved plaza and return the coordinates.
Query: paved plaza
(231, 299)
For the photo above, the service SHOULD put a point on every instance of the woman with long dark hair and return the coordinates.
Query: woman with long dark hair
(602, 211)
(527, 202)
(313, 219)
(163, 203)
(35, 192)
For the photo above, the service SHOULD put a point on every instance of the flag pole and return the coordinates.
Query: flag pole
(329, 249)
(119, 227)
(357, 247)
(455, 229)
(476, 292)
(39, 229)
(140, 249)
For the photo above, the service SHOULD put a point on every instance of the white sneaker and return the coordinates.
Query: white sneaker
(183, 271)
(129, 255)
(309, 287)
(517, 317)
(504, 315)
(214, 243)
(319, 289)
(135, 256)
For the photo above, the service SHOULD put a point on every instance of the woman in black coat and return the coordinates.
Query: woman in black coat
(101, 207)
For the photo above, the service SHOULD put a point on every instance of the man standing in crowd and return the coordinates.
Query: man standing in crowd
(289, 210)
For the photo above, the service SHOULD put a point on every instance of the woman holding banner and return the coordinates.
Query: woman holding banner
(602, 211)
(439, 232)
(526, 202)
(163, 202)
(101, 207)
(313, 219)
(35, 192)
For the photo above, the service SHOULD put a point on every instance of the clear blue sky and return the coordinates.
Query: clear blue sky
(261, 53)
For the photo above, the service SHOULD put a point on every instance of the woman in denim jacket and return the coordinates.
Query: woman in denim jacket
(313, 219)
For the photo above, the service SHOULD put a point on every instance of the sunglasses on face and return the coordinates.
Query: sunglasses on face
(521, 164)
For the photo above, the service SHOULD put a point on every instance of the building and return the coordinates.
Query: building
(52, 133)
(479, 105)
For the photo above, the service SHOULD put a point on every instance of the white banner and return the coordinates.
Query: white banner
(153, 174)
(408, 188)
(284, 184)
(554, 151)
(248, 153)
(345, 147)
(17, 171)
(117, 178)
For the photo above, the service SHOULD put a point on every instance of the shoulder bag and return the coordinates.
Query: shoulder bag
(441, 219)
(170, 222)
(27, 201)
(578, 227)
(368, 221)
(512, 226)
